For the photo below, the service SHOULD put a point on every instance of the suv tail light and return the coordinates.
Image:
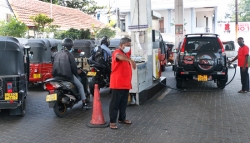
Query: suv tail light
(222, 47)
(183, 47)
(9, 87)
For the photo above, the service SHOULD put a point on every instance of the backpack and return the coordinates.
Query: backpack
(98, 55)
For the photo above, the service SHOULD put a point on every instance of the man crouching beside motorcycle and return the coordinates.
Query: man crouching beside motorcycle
(65, 66)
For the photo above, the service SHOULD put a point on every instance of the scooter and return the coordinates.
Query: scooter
(63, 94)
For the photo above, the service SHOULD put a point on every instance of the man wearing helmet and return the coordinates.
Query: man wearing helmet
(64, 65)
(107, 54)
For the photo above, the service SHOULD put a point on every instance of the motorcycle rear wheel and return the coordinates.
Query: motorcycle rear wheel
(60, 109)
(92, 86)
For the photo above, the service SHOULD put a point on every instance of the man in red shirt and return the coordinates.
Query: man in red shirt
(243, 64)
(120, 83)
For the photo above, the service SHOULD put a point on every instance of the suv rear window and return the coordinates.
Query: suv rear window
(196, 44)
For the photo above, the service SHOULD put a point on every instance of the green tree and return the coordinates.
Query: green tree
(74, 34)
(41, 21)
(13, 28)
(243, 10)
(106, 31)
(95, 31)
(53, 1)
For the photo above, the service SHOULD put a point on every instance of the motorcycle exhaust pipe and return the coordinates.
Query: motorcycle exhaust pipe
(68, 98)
(65, 100)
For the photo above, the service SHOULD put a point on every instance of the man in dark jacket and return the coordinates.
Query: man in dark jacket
(65, 66)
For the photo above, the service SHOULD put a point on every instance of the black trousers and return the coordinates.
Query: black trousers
(244, 79)
(118, 103)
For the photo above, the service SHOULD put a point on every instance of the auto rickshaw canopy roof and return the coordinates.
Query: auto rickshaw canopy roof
(41, 50)
(11, 56)
(83, 45)
(114, 43)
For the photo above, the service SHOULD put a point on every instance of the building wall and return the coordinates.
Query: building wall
(4, 10)
(199, 20)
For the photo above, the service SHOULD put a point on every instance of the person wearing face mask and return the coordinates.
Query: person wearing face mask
(242, 57)
(120, 83)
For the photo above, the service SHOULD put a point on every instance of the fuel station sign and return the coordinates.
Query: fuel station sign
(243, 27)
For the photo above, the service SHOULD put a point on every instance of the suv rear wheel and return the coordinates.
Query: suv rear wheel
(221, 83)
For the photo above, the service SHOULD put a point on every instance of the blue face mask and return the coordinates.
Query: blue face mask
(126, 49)
(71, 50)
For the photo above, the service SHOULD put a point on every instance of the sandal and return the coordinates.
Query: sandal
(113, 126)
(125, 122)
(241, 91)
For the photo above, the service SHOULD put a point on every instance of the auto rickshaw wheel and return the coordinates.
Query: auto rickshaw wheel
(60, 110)
(23, 108)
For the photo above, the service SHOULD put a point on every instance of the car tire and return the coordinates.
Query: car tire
(221, 83)
(211, 57)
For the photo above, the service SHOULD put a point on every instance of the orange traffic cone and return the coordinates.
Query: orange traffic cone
(97, 120)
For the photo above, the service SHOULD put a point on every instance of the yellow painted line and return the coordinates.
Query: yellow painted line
(164, 94)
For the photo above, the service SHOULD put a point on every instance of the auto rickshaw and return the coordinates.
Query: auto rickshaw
(55, 45)
(40, 63)
(14, 63)
(82, 51)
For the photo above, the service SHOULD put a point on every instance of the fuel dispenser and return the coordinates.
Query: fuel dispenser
(144, 52)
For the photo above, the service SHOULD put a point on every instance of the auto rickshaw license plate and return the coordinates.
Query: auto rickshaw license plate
(202, 77)
(11, 96)
(91, 74)
(51, 97)
(36, 75)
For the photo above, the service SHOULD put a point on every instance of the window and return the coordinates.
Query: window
(228, 46)
(197, 44)
(8, 16)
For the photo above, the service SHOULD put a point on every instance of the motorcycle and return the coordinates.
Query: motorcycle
(96, 75)
(63, 94)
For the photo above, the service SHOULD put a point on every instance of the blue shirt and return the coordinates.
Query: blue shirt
(107, 53)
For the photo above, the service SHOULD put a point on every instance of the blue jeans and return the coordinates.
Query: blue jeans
(79, 86)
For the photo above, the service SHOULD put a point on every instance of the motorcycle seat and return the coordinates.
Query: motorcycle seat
(58, 79)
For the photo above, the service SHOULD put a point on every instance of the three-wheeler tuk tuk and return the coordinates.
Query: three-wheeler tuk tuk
(40, 63)
(14, 64)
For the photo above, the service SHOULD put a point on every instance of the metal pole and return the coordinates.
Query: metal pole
(50, 8)
(236, 19)
(109, 13)
(118, 18)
